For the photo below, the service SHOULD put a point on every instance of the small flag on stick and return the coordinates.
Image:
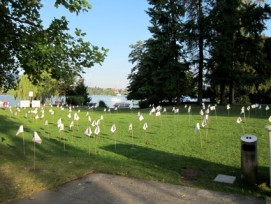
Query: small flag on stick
(197, 129)
(19, 131)
(113, 129)
(36, 139)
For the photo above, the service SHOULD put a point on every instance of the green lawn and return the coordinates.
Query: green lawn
(168, 151)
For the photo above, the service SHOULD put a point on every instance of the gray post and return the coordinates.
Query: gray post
(268, 128)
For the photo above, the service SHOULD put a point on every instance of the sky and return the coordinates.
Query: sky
(114, 25)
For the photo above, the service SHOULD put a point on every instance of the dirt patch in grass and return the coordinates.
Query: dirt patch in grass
(190, 175)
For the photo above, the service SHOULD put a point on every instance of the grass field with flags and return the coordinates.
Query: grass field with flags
(41, 148)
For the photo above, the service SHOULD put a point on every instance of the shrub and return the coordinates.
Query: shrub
(75, 100)
(102, 104)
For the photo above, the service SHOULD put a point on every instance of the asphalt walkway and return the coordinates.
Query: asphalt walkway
(104, 188)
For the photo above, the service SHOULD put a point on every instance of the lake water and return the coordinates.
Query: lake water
(109, 100)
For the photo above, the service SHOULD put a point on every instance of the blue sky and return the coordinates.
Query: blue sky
(112, 24)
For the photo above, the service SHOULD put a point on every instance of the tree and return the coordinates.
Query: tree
(160, 63)
(27, 45)
(77, 94)
(196, 34)
(236, 45)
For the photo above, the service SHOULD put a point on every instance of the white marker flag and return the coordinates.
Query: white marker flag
(61, 127)
(176, 110)
(269, 119)
(20, 130)
(75, 117)
(158, 113)
(69, 115)
(36, 138)
(113, 128)
(228, 107)
(204, 122)
(71, 124)
(88, 132)
(201, 112)
(242, 110)
(130, 127)
(89, 119)
(97, 130)
(59, 121)
(145, 126)
(46, 122)
(197, 128)
(141, 118)
(212, 108)
(93, 123)
(267, 108)
(239, 120)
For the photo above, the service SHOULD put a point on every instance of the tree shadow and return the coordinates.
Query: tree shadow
(192, 171)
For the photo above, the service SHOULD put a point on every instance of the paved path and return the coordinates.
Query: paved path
(104, 188)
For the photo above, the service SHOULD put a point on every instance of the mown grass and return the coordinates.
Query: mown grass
(168, 151)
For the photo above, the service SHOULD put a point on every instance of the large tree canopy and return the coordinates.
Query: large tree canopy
(26, 45)
(159, 62)
(221, 41)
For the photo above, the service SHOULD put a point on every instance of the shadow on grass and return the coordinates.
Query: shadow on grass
(55, 166)
(192, 171)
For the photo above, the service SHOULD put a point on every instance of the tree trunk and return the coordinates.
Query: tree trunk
(231, 97)
(222, 93)
(200, 38)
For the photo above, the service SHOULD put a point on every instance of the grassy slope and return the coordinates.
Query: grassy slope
(165, 152)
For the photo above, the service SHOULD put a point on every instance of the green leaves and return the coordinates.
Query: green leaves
(25, 44)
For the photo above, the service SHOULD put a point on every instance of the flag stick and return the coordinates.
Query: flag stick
(206, 133)
(23, 144)
(243, 127)
(34, 156)
(133, 137)
(48, 131)
(95, 142)
(145, 137)
(115, 140)
(89, 146)
(72, 134)
(64, 142)
(200, 138)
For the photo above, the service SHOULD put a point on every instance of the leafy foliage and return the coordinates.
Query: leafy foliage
(220, 41)
(27, 45)
(159, 62)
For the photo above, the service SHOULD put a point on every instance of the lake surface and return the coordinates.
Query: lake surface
(109, 100)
